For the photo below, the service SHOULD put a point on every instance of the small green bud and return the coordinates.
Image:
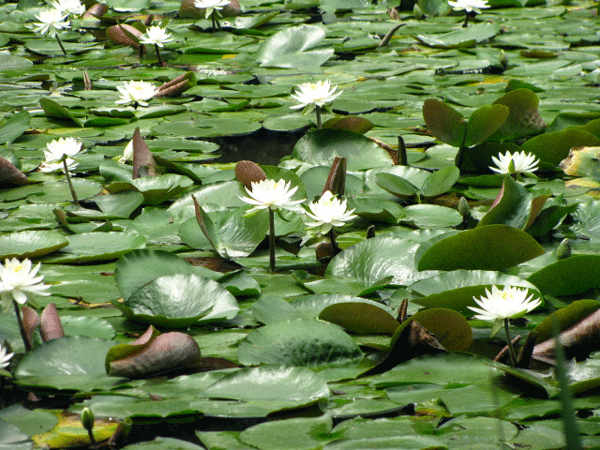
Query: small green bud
(563, 251)
(463, 208)
(87, 419)
(503, 59)
(417, 12)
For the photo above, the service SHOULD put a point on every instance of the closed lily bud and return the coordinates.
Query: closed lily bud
(463, 208)
(87, 419)
(563, 251)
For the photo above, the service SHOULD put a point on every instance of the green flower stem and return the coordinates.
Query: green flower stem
(511, 348)
(466, 22)
(215, 22)
(334, 245)
(272, 240)
(319, 123)
(160, 63)
(460, 155)
(62, 47)
(21, 328)
(73, 194)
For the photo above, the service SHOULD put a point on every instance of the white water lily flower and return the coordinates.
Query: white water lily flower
(508, 303)
(18, 280)
(136, 92)
(517, 162)
(469, 5)
(271, 194)
(62, 148)
(210, 6)
(329, 212)
(127, 153)
(47, 167)
(50, 20)
(156, 35)
(71, 7)
(314, 94)
(4, 357)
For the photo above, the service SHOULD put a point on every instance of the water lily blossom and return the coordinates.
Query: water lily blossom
(5, 358)
(18, 281)
(271, 194)
(210, 6)
(469, 5)
(500, 305)
(508, 303)
(156, 35)
(515, 163)
(328, 212)
(51, 20)
(136, 92)
(62, 148)
(70, 7)
(47, 167)
(315, 94)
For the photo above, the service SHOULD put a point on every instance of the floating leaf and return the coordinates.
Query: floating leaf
(308, 343)
(360, 317)
(31, 244)
(492, 247)
(463, 37)
(554, 147)
(56, 111)
(523, 117)
(570, 276)
(72, 363)
(296, 47)
(178, 301)
(14, 126)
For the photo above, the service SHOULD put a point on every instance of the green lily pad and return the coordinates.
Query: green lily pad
(97, 246)
(465, 37)
(320, 147)
(139, 267)
(178, 301)
(492, 247)
(295, 47)
(569, 276)
(299, 343)
(31, 244)
(380, 260)
(360, 317)
(271, 383)
(71, 363)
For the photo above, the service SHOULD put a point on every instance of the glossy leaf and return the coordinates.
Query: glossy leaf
(569, 276)
(30, 244)
(492, 247)
(308, 343)
(360, 317)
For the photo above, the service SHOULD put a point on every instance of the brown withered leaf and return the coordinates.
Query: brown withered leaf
(10, 176)
(50, 325)
(142, 156)
(177, 85)
(248, 172)
(336, 180)
(578, 341)
(124, 34)
(153, 353)
(31, 320)
(414, 341)
(97, 10)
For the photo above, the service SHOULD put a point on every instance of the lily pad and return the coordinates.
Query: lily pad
(492, 247)
(31, 244)
(178, 301)
(569, 276)
(308, 343)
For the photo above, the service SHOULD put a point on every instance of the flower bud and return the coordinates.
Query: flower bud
(463, 208)
(563, 251)
(87, 419)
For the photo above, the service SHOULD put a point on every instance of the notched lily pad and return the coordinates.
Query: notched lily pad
(178, 301)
